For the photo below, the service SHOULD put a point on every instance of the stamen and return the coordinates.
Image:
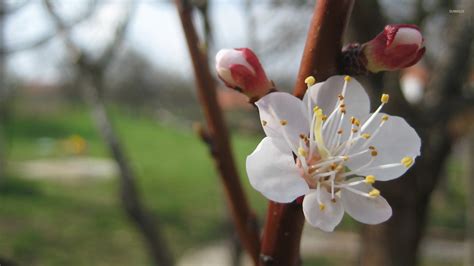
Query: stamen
(365, 135)
(283, 122)
(360, 168)
(264, 123)
(322, 206)
(355, 121)
(302, 152)
(374, 193)
(384, 100)
(370, 179)
(384, 119)
(310, 80)
(407, 161)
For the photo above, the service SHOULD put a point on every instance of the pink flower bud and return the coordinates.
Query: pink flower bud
(398, 46)
(241, 70)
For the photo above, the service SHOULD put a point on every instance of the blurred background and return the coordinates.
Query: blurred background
(64, 64)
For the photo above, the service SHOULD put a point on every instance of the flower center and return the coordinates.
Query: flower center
(322, 155)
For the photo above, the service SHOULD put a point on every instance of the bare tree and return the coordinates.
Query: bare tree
(92, 78)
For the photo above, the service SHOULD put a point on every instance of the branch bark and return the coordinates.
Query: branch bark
(244, 219)
(321, 58)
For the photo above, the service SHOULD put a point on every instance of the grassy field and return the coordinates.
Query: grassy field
(57, 223)
(46, 222)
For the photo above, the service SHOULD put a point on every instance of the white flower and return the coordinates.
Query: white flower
(329, 148)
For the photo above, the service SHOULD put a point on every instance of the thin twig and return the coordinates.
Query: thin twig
(243, 217)
(284, 224)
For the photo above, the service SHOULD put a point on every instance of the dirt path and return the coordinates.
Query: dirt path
(70, 168)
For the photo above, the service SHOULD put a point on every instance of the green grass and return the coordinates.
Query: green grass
(58, 223)
(48, 222)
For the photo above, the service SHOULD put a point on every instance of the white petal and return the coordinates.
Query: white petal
(326, 219)
(365, 209)
(279, 106)
(228, 57)
(274, 173)
(395, 140)
(325, 95)
(407, 36)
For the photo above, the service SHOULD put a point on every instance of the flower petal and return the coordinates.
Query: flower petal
(395, 140)
(326, 219)
(325, 95)
(274, 173)
(280, 107)
(365, 209)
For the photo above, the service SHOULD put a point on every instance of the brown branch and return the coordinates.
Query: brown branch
(321, 55)
(243, 217)
(131, 201)
(284, 224)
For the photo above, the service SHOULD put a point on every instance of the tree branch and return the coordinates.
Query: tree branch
(321, 58)
(244, 219)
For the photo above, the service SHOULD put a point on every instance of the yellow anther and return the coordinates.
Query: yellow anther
(370, 179)
(374, 153)
(339, 131)
(302, 152)
(374, 193)
(333, 166)
(371, 147)
(355, 121)
(339, 168)
(384, 117)
(354, 130)
(264, 123)
(302, 136)
(322, 206)
(345, 157)
(342, 105)
(384, 98)
(310, 81)
(340, 97)
(283, 122)
(365, 135)
(316, 108)
(343, 110)
(407, 161)
(324, 118)
(347, 78)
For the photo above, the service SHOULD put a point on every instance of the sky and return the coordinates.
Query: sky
(154, 32)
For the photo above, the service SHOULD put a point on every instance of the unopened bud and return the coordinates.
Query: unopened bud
(241, 70)
(398, 46)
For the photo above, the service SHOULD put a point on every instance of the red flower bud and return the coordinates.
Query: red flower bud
(240, 69)
(398, 46)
